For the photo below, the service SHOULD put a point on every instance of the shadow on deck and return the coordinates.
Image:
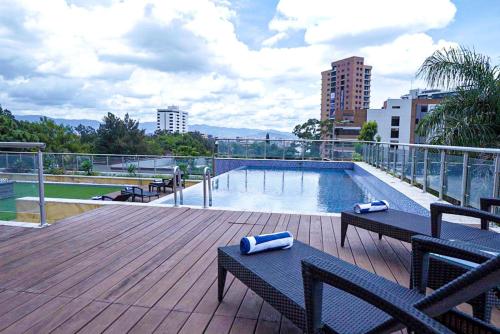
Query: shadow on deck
(147, 269)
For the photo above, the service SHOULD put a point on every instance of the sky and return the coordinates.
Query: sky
(242, 63)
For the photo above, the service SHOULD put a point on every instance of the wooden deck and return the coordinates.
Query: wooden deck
(138, 269)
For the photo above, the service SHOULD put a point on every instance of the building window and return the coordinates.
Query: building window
(395, 121)
(424, 108)
(396, 107)
(394, 133)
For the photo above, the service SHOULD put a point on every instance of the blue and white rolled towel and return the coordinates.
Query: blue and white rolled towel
(263, 242)
(371, 207)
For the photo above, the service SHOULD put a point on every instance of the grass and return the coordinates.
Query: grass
(70, 191)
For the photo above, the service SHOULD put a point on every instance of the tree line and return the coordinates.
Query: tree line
(114, 136)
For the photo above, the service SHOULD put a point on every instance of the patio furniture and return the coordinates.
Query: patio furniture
(139, 192)
(165, 183)
(117, 198)
(436, 262)
(321, 293)
(158, 185)
(403, 225)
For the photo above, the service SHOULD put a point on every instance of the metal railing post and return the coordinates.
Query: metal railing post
(496, 176)
(246, 148)
(283, 144)
(441, 174)
(403, 164)
(303, 149)
(265, 149)
(207, 185)
(395, 156)
(465, 176)
(41, 190)
(107, 163)
(154, 165)
(342, 151)
(174, 184)
(413, 154)
(426, 155)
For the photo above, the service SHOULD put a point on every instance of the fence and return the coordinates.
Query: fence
(30, 164)
(108, 164)
(461, 175)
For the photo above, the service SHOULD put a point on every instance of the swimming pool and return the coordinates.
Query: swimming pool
(297, 190)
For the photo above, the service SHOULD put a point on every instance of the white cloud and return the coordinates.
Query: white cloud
(275, 39)
(403, 55)
(84, 59)
(325, 20)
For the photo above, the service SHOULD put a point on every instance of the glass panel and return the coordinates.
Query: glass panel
(433, 169)
(19, 187)
(453, 177)
(256, 149)
(419, 166)
(480, 180)
(293, 150)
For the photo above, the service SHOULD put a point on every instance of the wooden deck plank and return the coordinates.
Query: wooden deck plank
(152, 269)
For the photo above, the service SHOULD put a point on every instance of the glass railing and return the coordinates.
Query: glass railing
(114, 164)
(21, 184)
(460, 175)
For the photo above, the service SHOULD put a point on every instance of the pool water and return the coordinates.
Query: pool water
(281, 190)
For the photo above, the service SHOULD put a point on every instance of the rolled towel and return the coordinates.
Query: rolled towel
(263, 242)
(371, 207)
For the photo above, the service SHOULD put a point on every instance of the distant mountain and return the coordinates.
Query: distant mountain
(70, 122)
(150, 127)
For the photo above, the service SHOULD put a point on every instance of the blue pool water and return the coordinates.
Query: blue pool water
(274, 189)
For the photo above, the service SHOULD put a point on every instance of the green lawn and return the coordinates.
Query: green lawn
(8, 206)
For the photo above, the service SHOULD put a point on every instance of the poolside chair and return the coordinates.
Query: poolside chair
(139, 192)
(117, 198)
(321, 293)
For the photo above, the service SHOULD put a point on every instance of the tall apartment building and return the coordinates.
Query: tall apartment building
(172, 120)
(398, 118)
(345, 95)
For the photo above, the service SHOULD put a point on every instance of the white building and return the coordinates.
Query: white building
(172, 120)
(393, 121)
(397, 120)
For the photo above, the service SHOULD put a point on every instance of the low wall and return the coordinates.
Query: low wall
(105, 180)
(223, 165)
(57, 208)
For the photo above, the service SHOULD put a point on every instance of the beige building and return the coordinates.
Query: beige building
(345, 95)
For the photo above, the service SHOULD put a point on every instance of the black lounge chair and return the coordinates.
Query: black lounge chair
(402, 225)
(118, 198)
(139, 192)
(321, 293)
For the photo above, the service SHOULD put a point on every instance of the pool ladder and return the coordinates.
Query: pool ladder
(177, 177)
(207, 187)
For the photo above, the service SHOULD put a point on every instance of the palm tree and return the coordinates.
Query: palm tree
(471, 116)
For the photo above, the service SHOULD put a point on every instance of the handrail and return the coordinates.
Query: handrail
(429, 146)
(176, 175)
(22, 145)
(117, 155)
(207, 180)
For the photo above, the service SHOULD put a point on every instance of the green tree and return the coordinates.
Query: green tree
(368, 131)
(313, 129)
(121, 136)
(471, 116)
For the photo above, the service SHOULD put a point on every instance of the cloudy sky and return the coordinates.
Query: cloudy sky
(243, 63)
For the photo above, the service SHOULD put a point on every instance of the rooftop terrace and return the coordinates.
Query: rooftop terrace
(140, 269)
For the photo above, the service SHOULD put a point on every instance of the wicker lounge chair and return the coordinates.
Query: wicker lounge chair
(139, 192)
(402, 225)
(321, 293)
(118, 198)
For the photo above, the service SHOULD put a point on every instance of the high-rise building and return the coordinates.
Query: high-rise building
(345, 92)
(172, 120)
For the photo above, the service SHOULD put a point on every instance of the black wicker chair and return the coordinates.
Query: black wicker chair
(139, 192)
(118, 198)
(321, 293)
